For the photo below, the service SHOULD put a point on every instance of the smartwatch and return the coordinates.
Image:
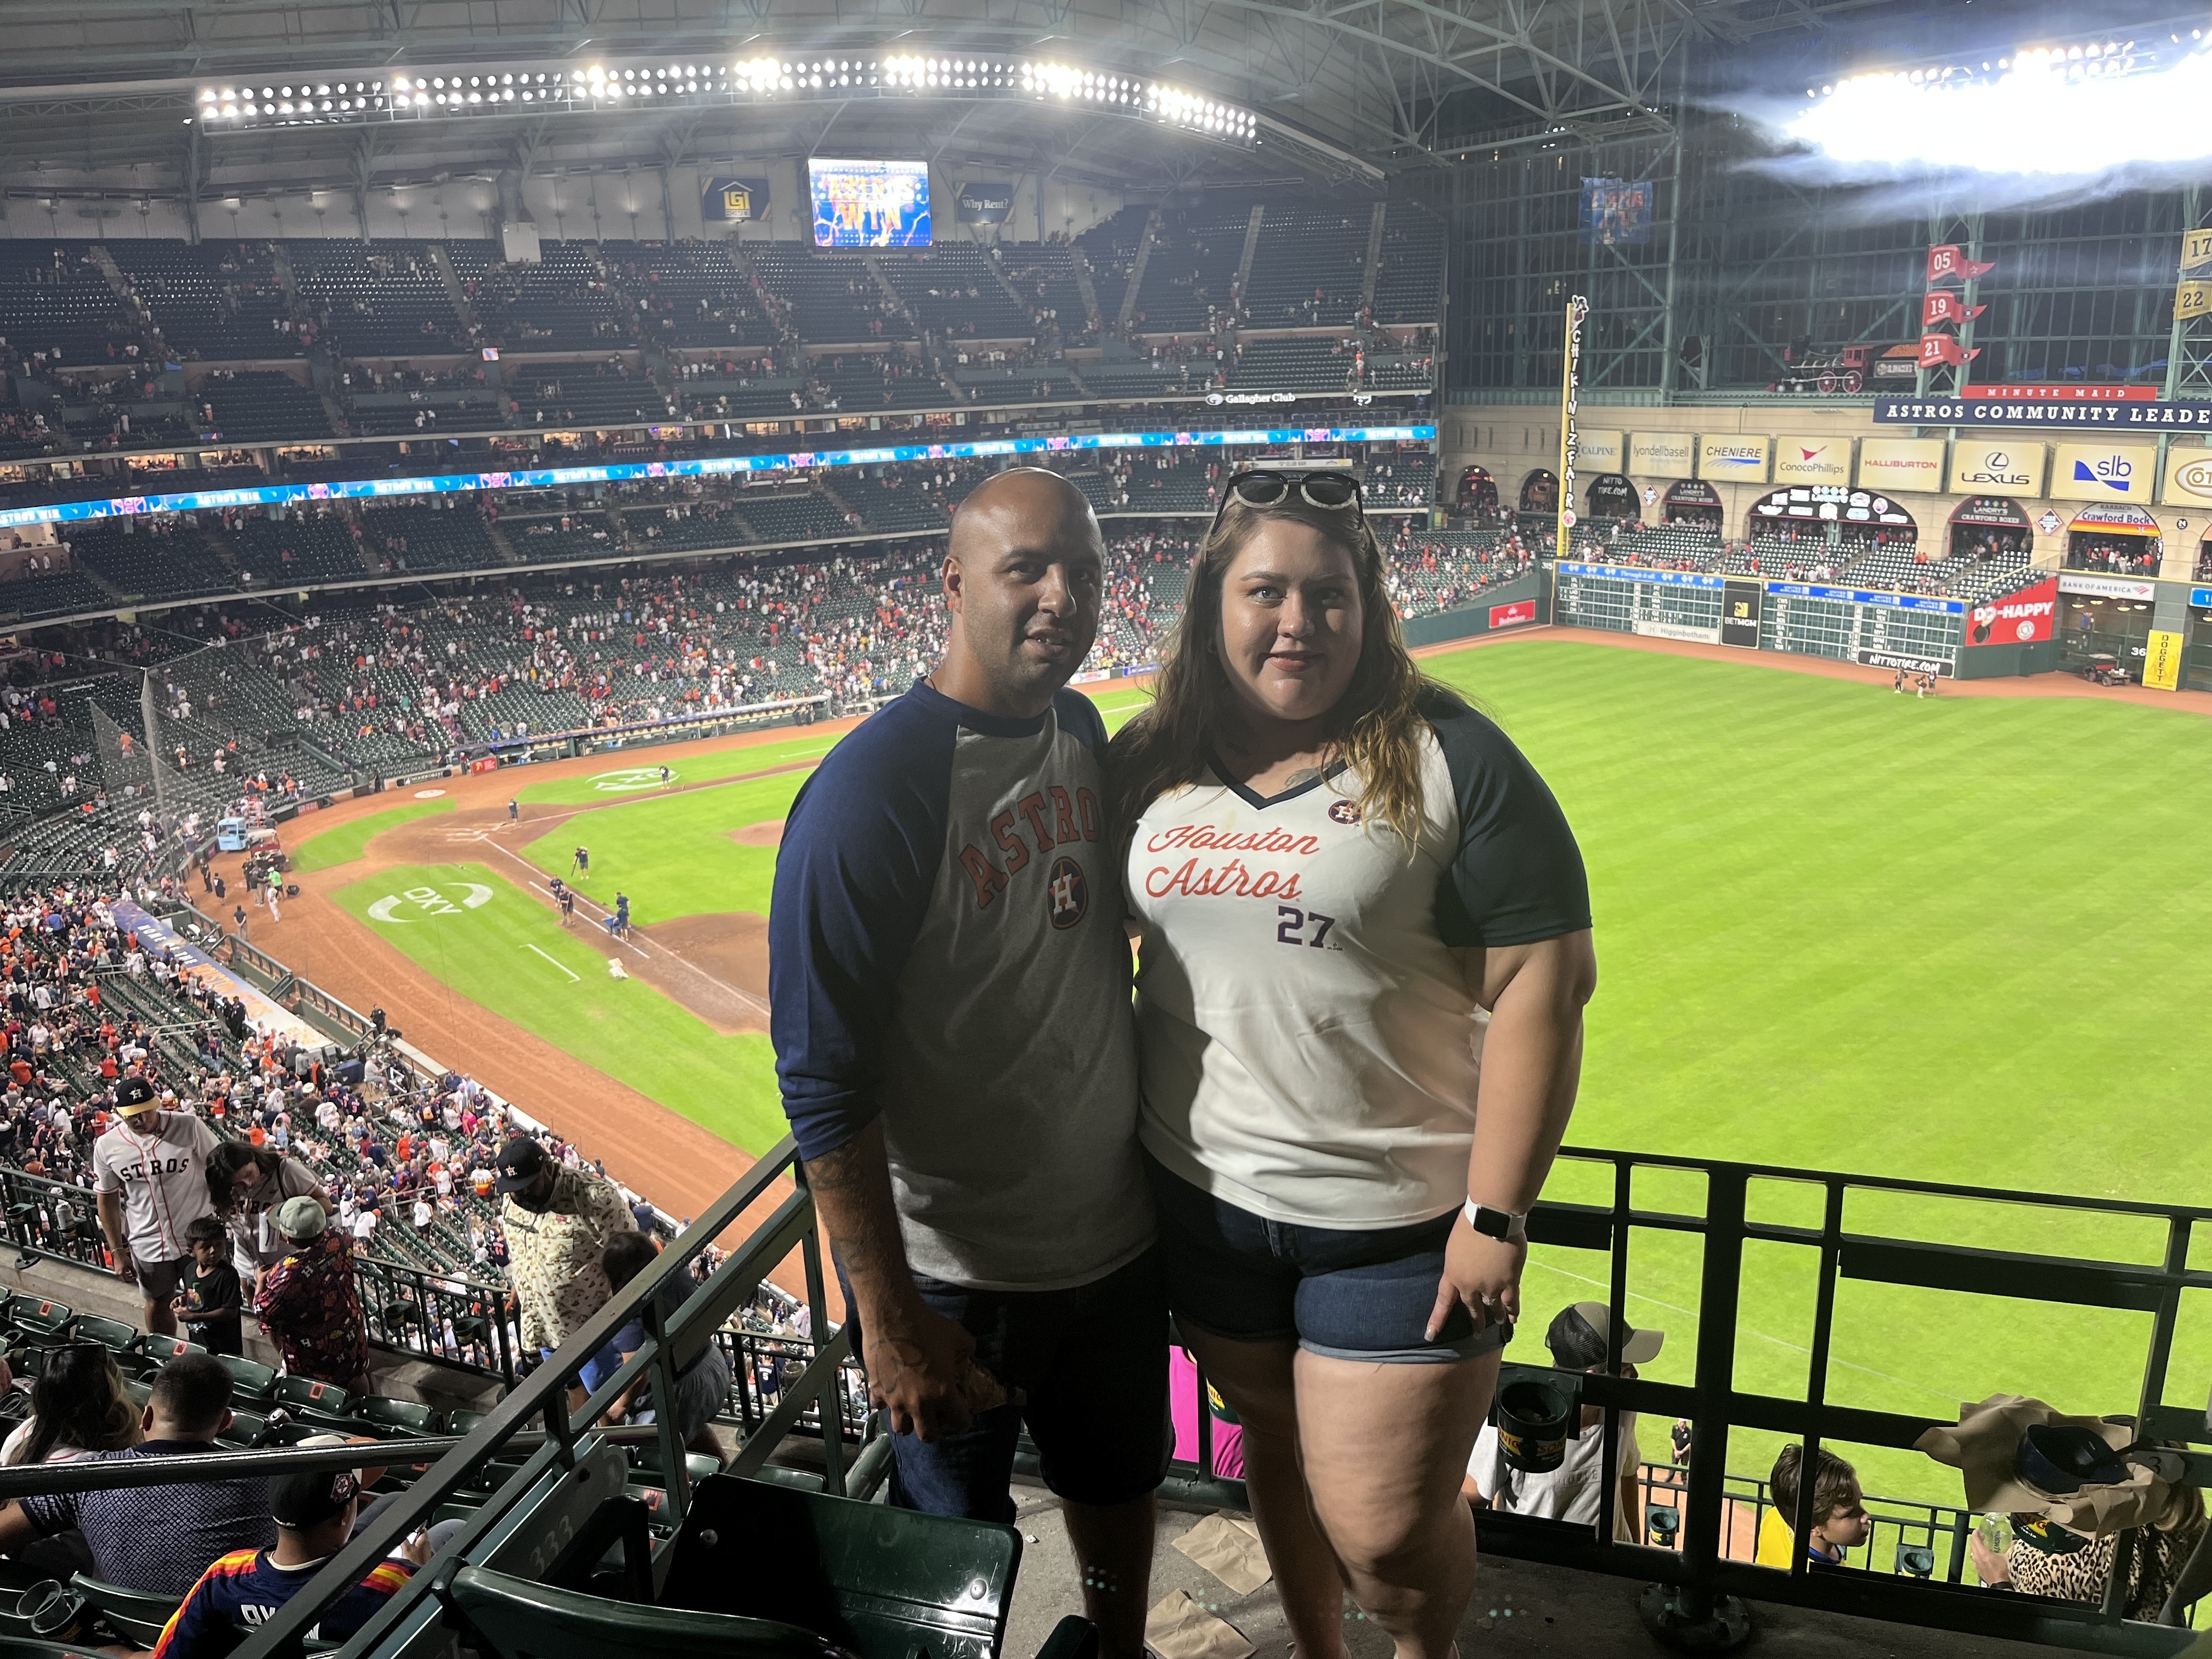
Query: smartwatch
(1501, 1224)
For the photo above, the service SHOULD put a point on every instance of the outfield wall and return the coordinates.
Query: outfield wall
(1521, 603)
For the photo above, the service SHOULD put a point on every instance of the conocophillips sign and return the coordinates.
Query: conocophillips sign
(2188, 478)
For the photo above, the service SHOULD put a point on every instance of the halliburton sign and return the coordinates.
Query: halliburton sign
(2019, 618)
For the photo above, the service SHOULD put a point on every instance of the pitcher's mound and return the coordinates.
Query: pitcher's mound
(770, 833)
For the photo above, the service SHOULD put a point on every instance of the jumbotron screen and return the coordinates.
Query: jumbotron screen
(870, 204)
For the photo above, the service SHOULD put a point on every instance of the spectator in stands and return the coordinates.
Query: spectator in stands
(210, 1300)
(558, 1223)
(1840, 1521)
(149, 1173)
(1343, 1215)
(702, 1388)
(248, 1185)
(309, 1303)
(159, 1538)
(314, 1513)
(1575, 1490)
(78, 1407)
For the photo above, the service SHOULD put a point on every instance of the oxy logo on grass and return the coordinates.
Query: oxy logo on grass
(629, 780)
(421, 903)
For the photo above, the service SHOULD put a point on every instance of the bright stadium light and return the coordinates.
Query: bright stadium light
(429, 94)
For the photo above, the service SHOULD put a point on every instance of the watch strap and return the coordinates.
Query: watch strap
(1501, 1224)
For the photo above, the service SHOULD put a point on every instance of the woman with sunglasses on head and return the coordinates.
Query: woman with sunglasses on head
(1365, 953)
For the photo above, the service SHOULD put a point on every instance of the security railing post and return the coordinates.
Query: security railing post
(1719, 1290)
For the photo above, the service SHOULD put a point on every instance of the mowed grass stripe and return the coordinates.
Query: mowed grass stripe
(345, 842)
(623, 1027)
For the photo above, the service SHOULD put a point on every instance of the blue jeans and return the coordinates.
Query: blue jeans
(1086, 1369)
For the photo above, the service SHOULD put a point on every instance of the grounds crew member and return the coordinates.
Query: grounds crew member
(557, 1223)
(149, 1176)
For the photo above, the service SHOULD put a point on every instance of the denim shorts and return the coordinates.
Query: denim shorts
(1360, 1294)
(1090, 1366)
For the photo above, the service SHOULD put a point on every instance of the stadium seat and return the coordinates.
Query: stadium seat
(41, 1323)
(303, 1397)
(157, 1351)
(118, 1338)
(515, 1619)
(133, 1614)
(253, 1384)
(407, 1416)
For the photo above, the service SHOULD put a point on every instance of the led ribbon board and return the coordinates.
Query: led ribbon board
(710, 466)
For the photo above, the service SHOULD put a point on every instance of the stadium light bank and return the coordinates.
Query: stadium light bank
(433, 94)
(2088, 107)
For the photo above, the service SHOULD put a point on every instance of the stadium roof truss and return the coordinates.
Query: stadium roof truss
(1345, 90)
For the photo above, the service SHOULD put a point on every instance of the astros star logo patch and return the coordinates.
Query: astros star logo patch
(1344, 811)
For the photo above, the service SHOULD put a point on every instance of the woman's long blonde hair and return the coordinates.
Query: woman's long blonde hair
(1374, 728)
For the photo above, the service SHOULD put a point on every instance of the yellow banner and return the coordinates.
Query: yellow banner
(2192, 299)
(2162, 661)
(2196, 250)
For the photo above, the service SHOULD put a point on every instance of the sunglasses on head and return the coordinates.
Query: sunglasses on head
(1329, 488)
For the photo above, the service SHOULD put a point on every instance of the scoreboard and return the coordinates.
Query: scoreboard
(1665, 604)
(1917, 633)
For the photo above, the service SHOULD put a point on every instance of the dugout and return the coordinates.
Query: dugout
(1610, 495)
(1985, 526)
(1691, 501)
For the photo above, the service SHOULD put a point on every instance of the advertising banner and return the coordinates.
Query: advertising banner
(1686, 633)
(2200, 597)
(2106, 587)
(1640, 574)
(985, 204)
(1740, 602)
(1513, 615)
(1570, 370)
(2188, 478)
(2102, 472)
(1662, 454)
(1979, 467)
(1600, 451)
(2162, 661)
(1939, 666)
(1811, 460)
(728, 201)
(1735, 460)
(1902, 463)
(2068, 392)
(2041, 412)
(2019, 618)
(1867, 596)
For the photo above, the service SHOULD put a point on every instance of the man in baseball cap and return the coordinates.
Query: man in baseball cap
(149, 1180)
(558, 1222)
(523, 1168)
(1577, 1490)
(314, 1513)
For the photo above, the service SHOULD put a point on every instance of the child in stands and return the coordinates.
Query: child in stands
(1840, 1521)
(209, 1297)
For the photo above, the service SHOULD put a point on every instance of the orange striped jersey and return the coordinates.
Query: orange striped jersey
(245, 1589)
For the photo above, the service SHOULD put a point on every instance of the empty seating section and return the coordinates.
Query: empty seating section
(1017, 382)
(66, 593)
(1407, 479)
(740, 393)
(396, 413)
(690, 293)
(55, 299)
(792, 516)
(274, 552)
(696, 525)
(891, 502)
(260, 406)
(563, 303)
(1043, 274)
(138, 563)
(426, 536)
(543, 541)
(1110, 249)
(213, 301)
(834, 298)
(1165, 483)
(378, 299)
(1192, 267)
(1299, 364)
(583, 395)
(1308, 267)
(1662, 547)
(1142, 377)
(954, 291)
(1401, 374)
(1409, 284)
(858, 381)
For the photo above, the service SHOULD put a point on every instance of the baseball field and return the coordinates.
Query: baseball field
(1957, 940)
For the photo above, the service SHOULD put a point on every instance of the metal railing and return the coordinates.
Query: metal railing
(1904, 1535)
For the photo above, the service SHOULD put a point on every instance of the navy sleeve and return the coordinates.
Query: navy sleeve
(859, 855)
(1080, 718)
(1517, 876)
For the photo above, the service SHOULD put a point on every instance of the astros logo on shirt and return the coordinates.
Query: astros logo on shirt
(1067, 893)
(1344, 811)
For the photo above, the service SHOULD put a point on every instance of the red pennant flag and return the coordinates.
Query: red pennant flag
(1944, 261)
(1938, 349)
(1973, 268)
(1940, 305)
(1973, 311)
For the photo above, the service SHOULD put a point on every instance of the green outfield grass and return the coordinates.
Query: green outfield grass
(1961, 940)
(510, 955)
(631, 774)
(348, 841)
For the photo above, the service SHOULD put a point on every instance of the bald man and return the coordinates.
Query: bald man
(949, 989)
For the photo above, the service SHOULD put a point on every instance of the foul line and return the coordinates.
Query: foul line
(573, 978)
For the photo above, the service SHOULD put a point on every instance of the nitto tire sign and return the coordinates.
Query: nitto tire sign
(1892, 659)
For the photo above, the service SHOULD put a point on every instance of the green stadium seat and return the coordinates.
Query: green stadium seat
(406, 1416)
(881, 1582)
(303, 1397)
(158, 1351)
(515, 1619)
(464, 1422)
(253, 1385)
(40, 1322)
(247, 1429)
(135, 1615)
(118, 1338)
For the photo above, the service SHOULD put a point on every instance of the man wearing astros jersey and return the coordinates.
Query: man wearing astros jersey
(949, 989)
(149, 1178)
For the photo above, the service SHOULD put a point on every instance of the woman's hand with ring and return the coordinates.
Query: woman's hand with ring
(1481, 1274)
